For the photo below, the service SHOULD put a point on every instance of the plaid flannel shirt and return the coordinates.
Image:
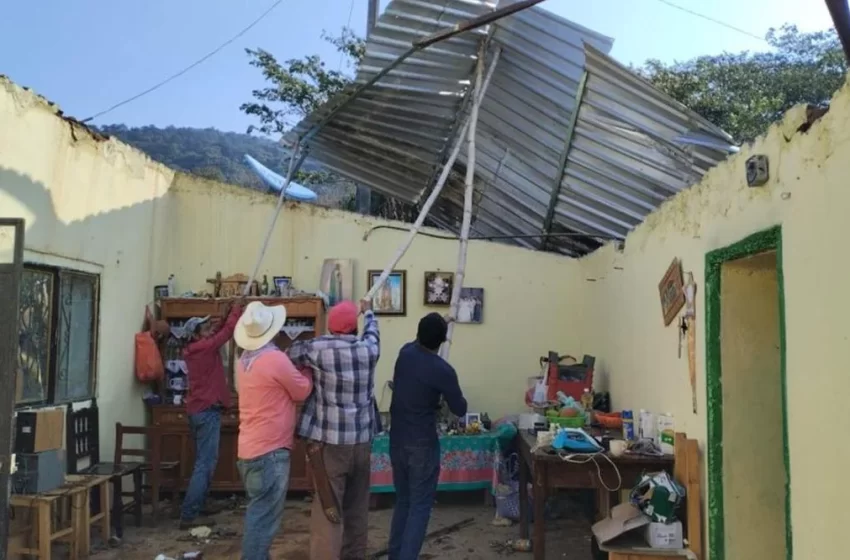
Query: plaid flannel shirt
(342, 409)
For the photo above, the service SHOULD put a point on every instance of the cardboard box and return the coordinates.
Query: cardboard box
(624, 519)
(39, 430)
(666, 536)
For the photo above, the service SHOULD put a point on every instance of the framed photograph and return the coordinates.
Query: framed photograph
(391, 299)
(671, 292)
(282, 284)
(472, 417)
(438, 288)
(160, 292)
(470, 308)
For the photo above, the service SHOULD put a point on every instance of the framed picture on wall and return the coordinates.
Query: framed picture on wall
(391, 299)
(470, 308)
(438, 288)
(671, 292)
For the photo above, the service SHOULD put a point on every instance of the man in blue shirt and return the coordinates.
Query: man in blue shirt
(420, 379)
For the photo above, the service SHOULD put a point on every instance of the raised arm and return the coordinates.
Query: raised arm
(450, 388)
(371, 334)
(290, 378)
(221, 336)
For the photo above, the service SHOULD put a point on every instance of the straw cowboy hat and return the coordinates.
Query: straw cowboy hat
(258, 325)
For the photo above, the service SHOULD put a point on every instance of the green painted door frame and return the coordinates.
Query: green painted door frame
(761, 242)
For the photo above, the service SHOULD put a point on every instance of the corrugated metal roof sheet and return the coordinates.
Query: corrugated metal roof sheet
(623, 158)
(392, 136)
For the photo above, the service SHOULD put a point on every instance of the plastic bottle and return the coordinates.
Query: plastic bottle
(172, 289)
(587, 405)
(666, 436)
(646, 425)
(628, 425)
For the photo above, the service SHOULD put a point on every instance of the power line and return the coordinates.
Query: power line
(347, 25)
(191, 66)
(712, 20)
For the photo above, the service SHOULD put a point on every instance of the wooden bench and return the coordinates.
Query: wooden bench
(76, 494)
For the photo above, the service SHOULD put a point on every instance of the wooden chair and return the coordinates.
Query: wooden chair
(149, 457)
(82, 435)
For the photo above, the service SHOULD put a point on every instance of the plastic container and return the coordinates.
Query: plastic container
(568, 421)
(646, 426)
(666, 435)
(628, 425)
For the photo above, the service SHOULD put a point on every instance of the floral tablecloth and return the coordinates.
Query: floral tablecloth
(466, 463)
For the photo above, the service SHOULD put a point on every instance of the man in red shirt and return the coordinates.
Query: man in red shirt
(208, 394)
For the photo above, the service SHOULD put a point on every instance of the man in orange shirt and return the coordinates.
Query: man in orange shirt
(269, 386)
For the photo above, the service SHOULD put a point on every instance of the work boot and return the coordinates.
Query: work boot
(186, 524)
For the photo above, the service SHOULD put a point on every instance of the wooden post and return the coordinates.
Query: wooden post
(467, 205)
(435, 193)
(294, 165)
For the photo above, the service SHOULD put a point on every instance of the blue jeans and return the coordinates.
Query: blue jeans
(416, 470)
(206, 431)
(266, 479)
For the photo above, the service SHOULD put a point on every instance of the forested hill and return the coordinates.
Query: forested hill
(219, 155)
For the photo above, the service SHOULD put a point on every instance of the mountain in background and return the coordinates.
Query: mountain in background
(218, 155)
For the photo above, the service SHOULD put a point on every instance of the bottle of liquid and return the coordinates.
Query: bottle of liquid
(587, 405)
(646, 425)
(666, 433)
(628, 425)
(265, 285)
(172, 289)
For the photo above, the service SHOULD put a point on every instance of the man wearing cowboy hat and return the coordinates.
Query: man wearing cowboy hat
(269, 386)
(208, 394)
(339, 420)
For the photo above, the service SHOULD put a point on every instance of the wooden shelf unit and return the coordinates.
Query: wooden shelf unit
(177, 442)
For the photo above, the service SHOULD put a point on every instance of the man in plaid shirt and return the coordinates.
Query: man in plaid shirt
(341, 416)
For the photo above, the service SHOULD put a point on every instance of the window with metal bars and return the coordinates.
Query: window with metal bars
(57, 336)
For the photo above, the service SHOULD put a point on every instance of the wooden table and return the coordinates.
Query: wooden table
(550, 472)
(77, 490)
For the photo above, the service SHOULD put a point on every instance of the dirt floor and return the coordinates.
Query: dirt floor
(567, 537)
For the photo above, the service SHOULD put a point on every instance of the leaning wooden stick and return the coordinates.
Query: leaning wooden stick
(435, 193)
(690, 321)
(467, 207)
(294, 165)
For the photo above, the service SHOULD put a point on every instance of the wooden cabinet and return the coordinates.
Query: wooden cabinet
(177, 442)
(177, 445)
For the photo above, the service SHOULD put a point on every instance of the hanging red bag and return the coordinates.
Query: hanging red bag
(148, 360)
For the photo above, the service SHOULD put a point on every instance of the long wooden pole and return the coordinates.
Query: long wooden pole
(435, 193)
(294, 165)
(467, 205)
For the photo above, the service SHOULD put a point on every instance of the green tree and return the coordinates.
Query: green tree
(299, 86)
(744, 93)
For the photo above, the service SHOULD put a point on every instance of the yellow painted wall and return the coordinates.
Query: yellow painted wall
(89, 206)
(103, 207)
(530, 298)
(807, 194)
(754, 504)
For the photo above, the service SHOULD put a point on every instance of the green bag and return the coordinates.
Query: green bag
(658, 496)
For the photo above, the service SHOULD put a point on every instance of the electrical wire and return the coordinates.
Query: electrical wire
(711, 19)
(191, 66)
(347, 25)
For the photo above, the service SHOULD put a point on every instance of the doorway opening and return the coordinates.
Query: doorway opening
(748, 464)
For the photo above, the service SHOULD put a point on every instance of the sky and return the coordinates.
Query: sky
(88, 55)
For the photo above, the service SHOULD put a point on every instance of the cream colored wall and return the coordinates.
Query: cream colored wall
(807, 194)
(754, 506)
(89, 206)
(530, 299)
